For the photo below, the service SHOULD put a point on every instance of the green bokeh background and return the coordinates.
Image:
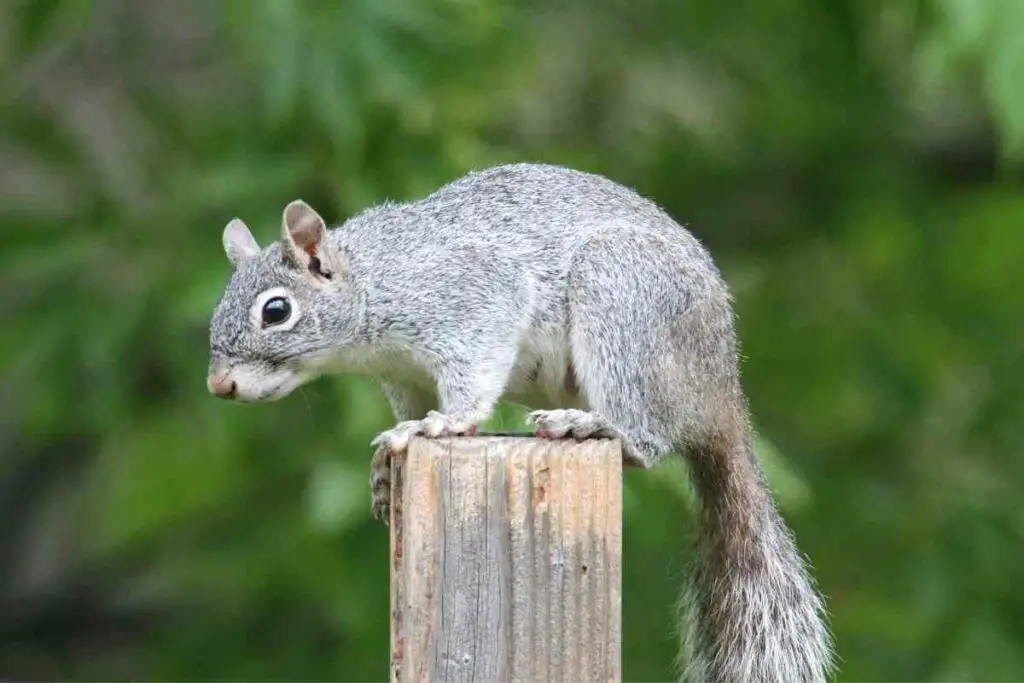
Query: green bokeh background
(854, 166)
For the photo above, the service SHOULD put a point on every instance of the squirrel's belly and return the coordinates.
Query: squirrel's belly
(544, 376)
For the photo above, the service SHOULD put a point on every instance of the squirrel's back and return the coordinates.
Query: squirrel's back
(536, 212)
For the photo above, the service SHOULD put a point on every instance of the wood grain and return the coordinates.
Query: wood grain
(506, 561)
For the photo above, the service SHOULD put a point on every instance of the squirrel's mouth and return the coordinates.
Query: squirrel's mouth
(254, 383)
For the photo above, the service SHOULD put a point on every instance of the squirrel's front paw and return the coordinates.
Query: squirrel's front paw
(395, 441)
(433, 425)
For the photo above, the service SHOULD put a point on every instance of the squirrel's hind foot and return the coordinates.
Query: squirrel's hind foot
(580, 424)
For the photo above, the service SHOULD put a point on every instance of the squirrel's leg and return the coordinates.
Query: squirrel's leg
(471, 352)
(626, 292)
(467, 390)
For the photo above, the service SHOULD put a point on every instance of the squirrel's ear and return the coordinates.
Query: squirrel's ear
(303, 236)
(239, 244)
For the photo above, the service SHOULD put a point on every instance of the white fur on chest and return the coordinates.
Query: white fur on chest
(392, 362)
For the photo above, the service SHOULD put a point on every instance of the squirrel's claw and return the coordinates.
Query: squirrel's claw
(380, 483)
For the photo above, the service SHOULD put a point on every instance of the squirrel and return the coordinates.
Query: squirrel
(566, 291)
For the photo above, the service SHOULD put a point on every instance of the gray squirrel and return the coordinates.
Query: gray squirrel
(562, 290)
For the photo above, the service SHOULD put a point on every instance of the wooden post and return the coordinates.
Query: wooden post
(506, 561)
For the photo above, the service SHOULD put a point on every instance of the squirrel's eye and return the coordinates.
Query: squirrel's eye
(276, 311)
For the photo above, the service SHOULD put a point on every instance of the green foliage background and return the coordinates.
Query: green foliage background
(854, 165)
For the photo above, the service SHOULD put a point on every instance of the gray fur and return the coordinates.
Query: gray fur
(571, 293)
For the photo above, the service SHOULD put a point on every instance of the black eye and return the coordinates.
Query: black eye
(276, 311)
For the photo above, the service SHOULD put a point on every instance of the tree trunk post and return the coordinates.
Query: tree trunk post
(506, 561)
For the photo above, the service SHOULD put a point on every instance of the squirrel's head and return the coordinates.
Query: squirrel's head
(285, 312)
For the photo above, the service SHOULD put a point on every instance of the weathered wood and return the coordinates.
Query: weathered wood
(506, 561)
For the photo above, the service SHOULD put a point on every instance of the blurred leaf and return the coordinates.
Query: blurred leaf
(337, 496)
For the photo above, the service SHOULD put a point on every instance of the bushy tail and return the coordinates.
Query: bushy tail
(751, 613)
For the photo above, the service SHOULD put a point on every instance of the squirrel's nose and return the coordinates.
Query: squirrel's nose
(221, 385)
